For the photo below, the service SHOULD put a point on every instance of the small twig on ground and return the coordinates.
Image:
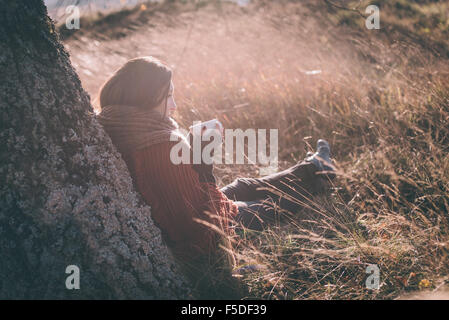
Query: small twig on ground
(355, 9)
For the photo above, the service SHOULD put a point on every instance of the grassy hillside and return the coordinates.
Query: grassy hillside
(380, 97)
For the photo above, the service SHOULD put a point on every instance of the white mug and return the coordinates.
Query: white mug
(203, 127)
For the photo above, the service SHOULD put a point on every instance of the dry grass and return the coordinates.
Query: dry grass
(381, 99)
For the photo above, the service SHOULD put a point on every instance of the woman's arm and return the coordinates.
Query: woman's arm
(178, 199)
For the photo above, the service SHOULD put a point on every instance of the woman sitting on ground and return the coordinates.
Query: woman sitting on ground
(136, 107)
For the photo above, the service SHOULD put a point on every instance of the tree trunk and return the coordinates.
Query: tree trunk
(66, 197)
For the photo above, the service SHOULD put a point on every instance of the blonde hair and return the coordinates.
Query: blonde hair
(142, 82)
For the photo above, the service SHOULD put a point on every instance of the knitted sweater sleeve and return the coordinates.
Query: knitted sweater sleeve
(186, 210)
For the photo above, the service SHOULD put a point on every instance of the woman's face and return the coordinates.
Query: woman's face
(171, 105)
(168, 106)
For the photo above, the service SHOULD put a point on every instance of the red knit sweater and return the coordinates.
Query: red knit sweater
(177, 198)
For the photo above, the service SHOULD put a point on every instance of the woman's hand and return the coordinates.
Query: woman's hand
(205, 171)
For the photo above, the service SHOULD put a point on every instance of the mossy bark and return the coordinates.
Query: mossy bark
(66, 197)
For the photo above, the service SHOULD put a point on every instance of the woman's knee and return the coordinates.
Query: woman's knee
(241, 189)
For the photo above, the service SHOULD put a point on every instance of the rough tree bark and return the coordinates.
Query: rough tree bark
(66, 197)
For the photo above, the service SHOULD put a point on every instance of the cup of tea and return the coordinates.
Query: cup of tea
(205, 128)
